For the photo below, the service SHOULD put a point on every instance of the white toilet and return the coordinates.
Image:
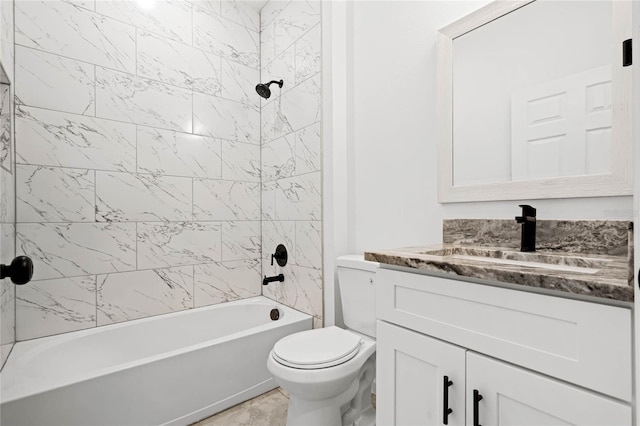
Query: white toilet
(328, 372)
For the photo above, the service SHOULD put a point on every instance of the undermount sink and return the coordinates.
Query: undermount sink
(557, 262)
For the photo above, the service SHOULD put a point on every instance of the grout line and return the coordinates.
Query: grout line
(134, 73)
(137, 124)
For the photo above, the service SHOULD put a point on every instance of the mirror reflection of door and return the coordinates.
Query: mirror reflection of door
(562, 127)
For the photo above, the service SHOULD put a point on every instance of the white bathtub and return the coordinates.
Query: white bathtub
(171, 369)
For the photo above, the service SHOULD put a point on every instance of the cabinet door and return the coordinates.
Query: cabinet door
(514, 396)
(411, 373)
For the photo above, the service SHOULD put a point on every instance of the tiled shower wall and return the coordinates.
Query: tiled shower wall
(291, 152)
(138, 151)
(7, 182)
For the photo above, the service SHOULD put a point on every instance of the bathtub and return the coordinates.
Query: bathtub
(171, 369)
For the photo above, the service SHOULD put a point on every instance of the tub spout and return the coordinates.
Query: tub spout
(267, 280)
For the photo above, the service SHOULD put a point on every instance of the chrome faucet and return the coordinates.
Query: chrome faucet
(528, 232)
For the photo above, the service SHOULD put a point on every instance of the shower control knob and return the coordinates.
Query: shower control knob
(20, 271)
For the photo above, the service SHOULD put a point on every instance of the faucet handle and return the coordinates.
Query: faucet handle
(528, 210)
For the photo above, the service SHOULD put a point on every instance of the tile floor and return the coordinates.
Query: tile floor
(269, 409)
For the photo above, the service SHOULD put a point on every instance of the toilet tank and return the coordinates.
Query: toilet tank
(356, 278)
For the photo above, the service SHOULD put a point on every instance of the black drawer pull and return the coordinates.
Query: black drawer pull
(445, 398)
(476, 409)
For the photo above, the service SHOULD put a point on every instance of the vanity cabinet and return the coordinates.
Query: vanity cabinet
(412, 370)
(533, 358)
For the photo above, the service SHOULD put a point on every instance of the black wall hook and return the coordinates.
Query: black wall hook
(20, 270)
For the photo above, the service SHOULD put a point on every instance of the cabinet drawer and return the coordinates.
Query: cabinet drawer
(585, 343)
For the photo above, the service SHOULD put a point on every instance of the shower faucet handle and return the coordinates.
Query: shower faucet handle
(281, 256)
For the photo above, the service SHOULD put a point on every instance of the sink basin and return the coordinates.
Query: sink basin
(556, 262)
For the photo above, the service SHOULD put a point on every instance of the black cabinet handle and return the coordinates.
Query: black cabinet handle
(476, 409)
(445, 397)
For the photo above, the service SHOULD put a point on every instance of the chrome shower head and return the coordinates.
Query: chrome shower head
(263, 88)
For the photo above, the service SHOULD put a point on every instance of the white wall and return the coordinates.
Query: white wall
(391, 135)
(395, 140)
(395, 133)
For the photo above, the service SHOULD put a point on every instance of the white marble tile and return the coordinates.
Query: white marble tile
(7, 288)
(241, 240)
(7, 311)
(7, 242)
(139, 294)
(299, 107)
(239, 83)
(300, 198)
(170, 19)
(225, 200)
(225, 38)
(48, 307)
(294, 21)
(226, 281)
(73, 249)
(241, 12)
(308, 248)
(240, 161)
(178, 244)
(178, 64)
(308, 149)
(271, 10)
(125, 97)
(5, 350)
(267, 46)
(87, 4)
(5, 127)
(268, 122)
(225, 119)
(71, 31)
(50, 81)
(279, 158)
(212, 6)
(282, 67)
(165, 152)
(269, 191)
(52, 138)
(308, 54)
(274, 233)
(141, 197)
(7, 37)
(50, 194)
(7, 197)
(301, 289)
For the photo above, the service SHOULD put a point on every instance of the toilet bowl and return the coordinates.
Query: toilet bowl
(328, 372)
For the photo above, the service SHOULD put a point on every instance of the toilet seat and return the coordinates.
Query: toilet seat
(316, 349)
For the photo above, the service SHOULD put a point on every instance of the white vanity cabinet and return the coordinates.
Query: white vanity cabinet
(534, 359)
(412, 370)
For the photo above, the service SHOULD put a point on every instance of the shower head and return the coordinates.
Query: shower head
(263, 89)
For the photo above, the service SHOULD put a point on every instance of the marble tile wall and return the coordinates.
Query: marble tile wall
(291, 151)
(138, 159)
(7, 179)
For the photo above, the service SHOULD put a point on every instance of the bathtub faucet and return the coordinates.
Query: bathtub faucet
(267, 280)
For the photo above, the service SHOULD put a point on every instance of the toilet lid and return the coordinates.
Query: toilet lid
(319, 348)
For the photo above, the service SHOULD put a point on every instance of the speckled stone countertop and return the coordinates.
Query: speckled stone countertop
(570, 243)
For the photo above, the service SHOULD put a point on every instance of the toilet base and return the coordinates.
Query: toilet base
(351, 408)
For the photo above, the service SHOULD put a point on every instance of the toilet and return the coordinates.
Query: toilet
(328, 372)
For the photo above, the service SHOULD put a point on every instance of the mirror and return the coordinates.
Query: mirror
(534, 102)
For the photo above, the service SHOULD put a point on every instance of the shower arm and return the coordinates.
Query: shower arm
(278, 82)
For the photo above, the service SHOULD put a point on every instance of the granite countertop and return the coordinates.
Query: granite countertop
(607, 276)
